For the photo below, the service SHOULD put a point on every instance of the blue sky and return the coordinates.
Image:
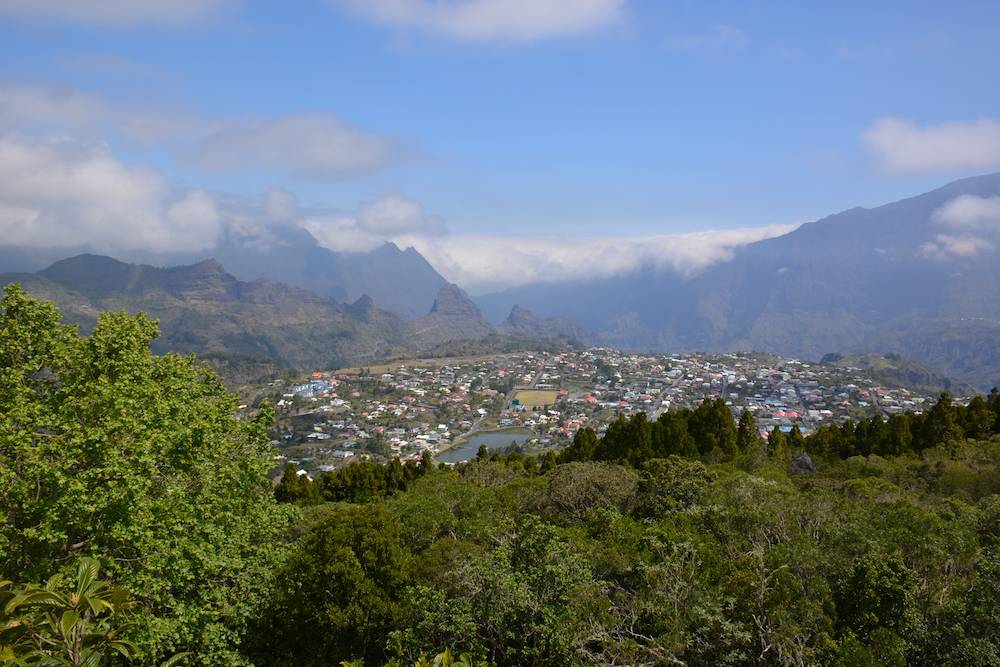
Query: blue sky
(592, 118)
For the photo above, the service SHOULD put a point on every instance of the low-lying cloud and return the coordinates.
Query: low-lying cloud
(492, 20)
(900, 145)
(976, 224)
(485, 263)
(391, 218)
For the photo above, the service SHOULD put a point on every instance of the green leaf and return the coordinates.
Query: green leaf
(68, 622)
(36, 597)
(86, 574)
(126, 648)
(175, 659)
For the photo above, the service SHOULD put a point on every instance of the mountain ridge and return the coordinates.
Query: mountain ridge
(856, 281)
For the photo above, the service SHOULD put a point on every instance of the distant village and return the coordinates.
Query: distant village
(537, 401)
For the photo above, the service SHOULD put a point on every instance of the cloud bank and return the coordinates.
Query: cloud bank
(900, 145)
(491, 20)
(485, 263)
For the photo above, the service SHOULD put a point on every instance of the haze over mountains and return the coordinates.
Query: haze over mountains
(918, 277)
(400, 281)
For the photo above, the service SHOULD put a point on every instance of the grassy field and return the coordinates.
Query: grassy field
(532, 398)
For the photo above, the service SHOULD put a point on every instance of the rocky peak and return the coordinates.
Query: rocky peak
(362, 309)
(452, 300)
(521, 317)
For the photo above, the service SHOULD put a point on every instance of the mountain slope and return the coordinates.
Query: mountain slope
(401, 281)
(453, 316)
(245, 328)
(864, 280)
(204, 309)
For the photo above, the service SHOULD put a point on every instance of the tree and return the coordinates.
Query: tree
(584, 447)
(713, 428)
(140, 461)
(777, 442)
(746, 432)
(338, 593)
(796, 443)
(940, 424)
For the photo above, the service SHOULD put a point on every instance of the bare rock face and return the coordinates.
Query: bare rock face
(452, 317)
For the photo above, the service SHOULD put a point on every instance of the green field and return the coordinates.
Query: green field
(536, 398)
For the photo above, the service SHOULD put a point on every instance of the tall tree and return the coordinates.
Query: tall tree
(139, 461)
(746, 432)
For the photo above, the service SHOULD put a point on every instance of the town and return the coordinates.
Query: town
(537, 401)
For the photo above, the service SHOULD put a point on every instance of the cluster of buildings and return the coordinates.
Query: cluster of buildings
(406, 408)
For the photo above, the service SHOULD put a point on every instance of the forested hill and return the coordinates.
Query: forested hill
(140, 527)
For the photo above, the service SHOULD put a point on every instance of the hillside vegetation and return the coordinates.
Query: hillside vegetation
(684, 540)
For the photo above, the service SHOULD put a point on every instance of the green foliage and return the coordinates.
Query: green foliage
(80, 625)
(338, 593)
(683, 540)
(110, 452)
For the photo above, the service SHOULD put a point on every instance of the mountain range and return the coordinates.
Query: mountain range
(919, 277)
(247, 329)
(400, 281)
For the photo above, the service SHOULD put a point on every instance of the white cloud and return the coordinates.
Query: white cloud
(715, 38)
(482, 263)
(900, 145)
(117, 13)
(970, 212)
(492, 20)
(318, 144)
(947, 245)
(391, 218)
(977, 221)
(66, 194)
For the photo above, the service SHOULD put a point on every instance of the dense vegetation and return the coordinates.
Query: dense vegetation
(684, 540)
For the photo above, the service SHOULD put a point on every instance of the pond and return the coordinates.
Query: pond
(492, 439)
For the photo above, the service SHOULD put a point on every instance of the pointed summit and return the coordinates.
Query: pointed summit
(452, 300)
(452, 317)
(362, 309)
